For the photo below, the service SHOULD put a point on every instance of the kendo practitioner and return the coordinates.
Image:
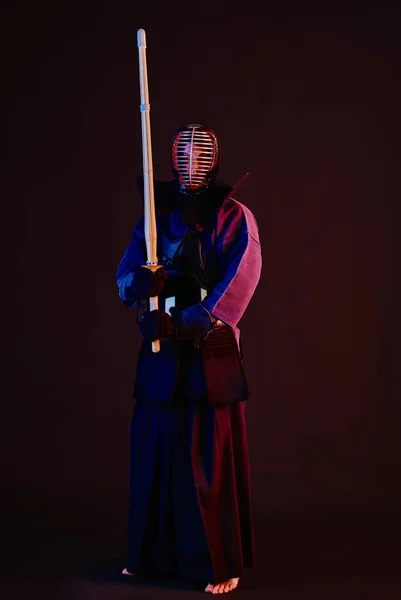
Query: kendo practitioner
(189, 509)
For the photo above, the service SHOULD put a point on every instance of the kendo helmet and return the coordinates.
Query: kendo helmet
(195, 155)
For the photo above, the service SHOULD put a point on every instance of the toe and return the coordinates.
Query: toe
(234, 584)
(231, 584)
(209, 588)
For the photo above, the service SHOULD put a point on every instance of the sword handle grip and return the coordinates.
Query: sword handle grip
(154, 305)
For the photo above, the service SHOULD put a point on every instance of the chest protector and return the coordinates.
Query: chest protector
(189, 277)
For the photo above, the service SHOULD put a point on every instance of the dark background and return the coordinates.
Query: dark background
(306, 99)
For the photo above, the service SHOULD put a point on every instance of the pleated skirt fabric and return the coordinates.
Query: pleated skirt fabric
(189, 512)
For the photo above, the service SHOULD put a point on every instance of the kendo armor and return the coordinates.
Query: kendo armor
(188, 280)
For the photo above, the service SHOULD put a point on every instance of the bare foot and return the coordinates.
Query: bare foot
(223, 587)
(125, 572)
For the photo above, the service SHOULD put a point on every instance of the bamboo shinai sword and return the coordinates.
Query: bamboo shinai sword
(149, 200)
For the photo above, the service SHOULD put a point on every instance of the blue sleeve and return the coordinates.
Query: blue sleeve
(134, 256)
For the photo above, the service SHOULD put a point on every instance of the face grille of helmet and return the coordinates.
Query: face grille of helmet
(194, 155)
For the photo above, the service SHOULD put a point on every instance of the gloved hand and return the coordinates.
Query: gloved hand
(148, 283)
(183, 325)
(156, 325)
(192, 322)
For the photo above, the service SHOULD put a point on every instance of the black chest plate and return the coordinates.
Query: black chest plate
(189, 276)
